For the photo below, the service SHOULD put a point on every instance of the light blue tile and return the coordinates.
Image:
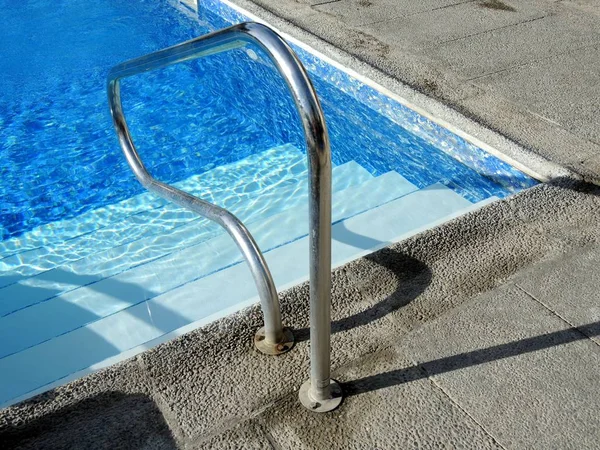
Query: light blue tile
(104, 296)
(147, 215)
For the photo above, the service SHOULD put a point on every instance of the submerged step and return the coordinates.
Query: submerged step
(87, 271)
(151, 234)
(292, 193)
(107, 297)
(152, 320)
(148, 215)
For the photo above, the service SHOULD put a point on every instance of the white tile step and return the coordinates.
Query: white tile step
(61, 314)
(226, 185)
(147, 215)
(275, 163)
(165, 316)
(291, 193)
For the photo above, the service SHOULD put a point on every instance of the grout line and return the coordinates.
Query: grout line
(440, 7)
(490, 90)
(593, 141)
(376, 22)
(162, 404)
(493, 29)
(531, 62)
(455, 403)
(399, 16)
(324, 3)
(572, 325)
(586, 160)
(230, 424)
(270, 439)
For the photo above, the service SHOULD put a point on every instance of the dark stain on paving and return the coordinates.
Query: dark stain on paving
(497, 4)
(430, 85)
(365, 44)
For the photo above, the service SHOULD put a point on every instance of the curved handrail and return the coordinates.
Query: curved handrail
(319, 163)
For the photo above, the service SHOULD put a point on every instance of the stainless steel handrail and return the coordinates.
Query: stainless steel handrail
(319, 393)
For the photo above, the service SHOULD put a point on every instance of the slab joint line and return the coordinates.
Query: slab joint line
(458, 405)
(573, 326)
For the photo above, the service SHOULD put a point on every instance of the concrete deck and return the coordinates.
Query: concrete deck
(482, 333)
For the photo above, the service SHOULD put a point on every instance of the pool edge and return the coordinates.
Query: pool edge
(488, 140)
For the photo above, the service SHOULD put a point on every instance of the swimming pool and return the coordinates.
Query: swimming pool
(94, 269)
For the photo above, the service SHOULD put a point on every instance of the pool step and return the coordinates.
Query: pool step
(107, 296)
(158, 315)
(292, 192)
(158, 231)
(145, 215)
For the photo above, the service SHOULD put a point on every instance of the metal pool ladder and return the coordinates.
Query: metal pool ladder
(320, 393)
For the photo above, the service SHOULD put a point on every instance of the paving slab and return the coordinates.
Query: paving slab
(591, 6)
(549, 139)
(569, 286)
(516, 368)
(564, 88)
(406, 411)
(513, 45)
(248, 436)
(362, 12)
(577, 225)
(458, 21)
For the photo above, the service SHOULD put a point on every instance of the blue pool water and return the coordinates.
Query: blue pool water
(93, 269)
(59, 157)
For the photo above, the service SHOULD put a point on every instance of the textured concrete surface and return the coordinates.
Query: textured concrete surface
(427, 360)
(570, 288)
(248, 435)
(519, 370)
(438, 27)
(409, 412)
(529, 41)
(113, 408)
(360, 12)
(578, 76)
(215, 376)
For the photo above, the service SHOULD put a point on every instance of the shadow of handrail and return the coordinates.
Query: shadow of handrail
(470, 359)
(412, 277)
